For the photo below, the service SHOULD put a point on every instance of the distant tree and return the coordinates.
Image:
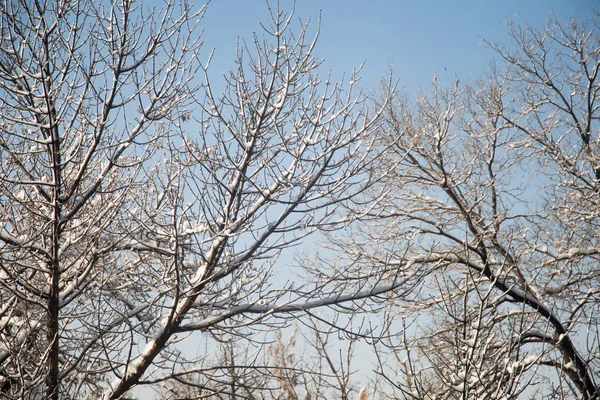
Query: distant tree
(487, 239)
(284, 372)
(138, 206)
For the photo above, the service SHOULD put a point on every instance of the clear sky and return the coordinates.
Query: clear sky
(417, 37)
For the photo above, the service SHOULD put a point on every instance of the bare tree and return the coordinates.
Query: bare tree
(82, 83)
(240, 372)
(138, 206)
(318, 368)
(490, 222)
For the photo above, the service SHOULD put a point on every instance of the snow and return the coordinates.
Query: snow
(459, 388)
(293, 307)
(517, 366)
(279, 103)
(200, 301)
(21, 195)
(133, 366)
(530, 359)
(518, 293)
(186, 227)
(22, 336)
(200, 273)
(570, 365)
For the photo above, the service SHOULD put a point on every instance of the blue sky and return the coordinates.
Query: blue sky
(418, 38)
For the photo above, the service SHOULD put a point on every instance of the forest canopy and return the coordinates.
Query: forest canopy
(451, 232)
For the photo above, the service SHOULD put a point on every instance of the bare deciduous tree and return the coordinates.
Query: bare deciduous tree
(320, 369)
(139, 207)
(490, 222)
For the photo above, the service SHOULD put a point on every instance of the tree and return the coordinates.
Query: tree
(237, 373)
(138, 207)
(286, 373)
(490, 223)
